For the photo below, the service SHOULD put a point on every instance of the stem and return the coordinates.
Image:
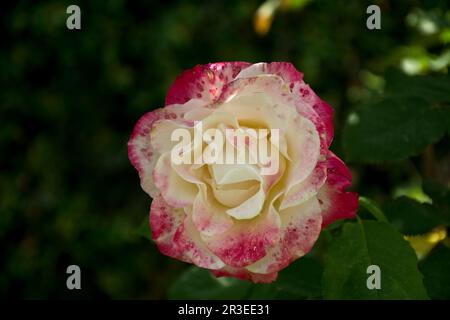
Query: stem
(373, 209)
(429, 163)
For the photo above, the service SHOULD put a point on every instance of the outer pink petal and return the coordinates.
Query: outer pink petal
(307, 188)
(303, 92)
(306, 110)
(285, 70)
(244, 274)
(176, 237)
(335, 202)
(300, 228)
(247, 241)
(164, 222)
(188, 241)
(140, 150)
(323, 109)
(203, 82)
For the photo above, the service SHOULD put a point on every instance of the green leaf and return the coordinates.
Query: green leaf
(436, 271)
(301, 280)
(393, 129)
(371, 243)
(411, 217)
(440, 195)
(295, 4)
(144, 230)
(432, 88)
(197, 283)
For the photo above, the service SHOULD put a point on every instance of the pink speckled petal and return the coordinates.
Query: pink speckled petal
(188, 241)
(307, 188)
(248, 240)
(307, 111)
(335, 202)
(303, 92)
(164, 221)
(244, 274)
(142, 154)
(323, 110)
(285, 70)
(140, 151)
(176, 237)
(300, 228)
(304, 149)
(203, 82)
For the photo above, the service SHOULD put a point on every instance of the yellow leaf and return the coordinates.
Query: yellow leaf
(424, 243)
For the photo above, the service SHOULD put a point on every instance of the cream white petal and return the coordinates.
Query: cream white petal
(250, 208)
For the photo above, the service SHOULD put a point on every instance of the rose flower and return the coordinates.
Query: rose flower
(234, 218)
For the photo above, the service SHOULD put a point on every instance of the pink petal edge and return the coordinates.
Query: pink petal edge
(336, 203)
(203, 82)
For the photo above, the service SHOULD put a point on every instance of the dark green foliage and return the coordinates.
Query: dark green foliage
(411, 217)
(435, 269)
(301, 280)
(69, 101)
(367, 243)
(394, 129)
(440, 196)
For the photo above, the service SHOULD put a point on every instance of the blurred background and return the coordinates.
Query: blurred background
(69, 100)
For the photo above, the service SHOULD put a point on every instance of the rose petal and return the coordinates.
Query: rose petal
(164, 221)
(304, 150)
(300, 228)
(249, 208)
(306, 189)
(334, 201)
(175, 236)
(232, 195)
(194, 249)
(244, 274)
(208, 216)
(309, 109)
(176, 191)
(248, 240)
(141, 153)
(234, 173)
(303, 92)
(285, 70)
(161, 135)
(203, 82)
(323, 109)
